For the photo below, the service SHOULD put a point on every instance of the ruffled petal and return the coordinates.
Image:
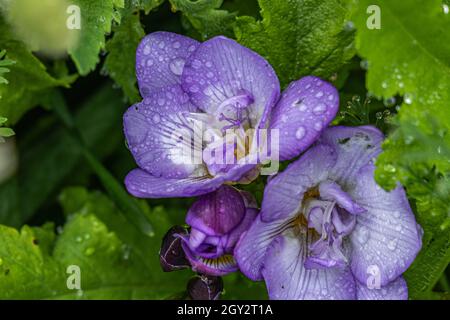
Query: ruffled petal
(305, 109)
(160, 59)
(160, 137)
(283, 194)
(355, 147)
(386, 238)
(251, 248)
(287, 279)
(222, 72)
(331, 191)
(395, 290)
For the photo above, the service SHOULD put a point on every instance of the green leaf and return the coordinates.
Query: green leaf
(4, 62)
(120, 62)
(28, 78)
(148, 5)
(96, 19)
(6, 132)
(403, 59)
(33, 263)
(300, 37)
(206, 17)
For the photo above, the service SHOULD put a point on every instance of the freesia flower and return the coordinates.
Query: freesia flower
(217, 221)
(326, 229)
(217, 85)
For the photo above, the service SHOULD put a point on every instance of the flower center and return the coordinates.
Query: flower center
(325, 217)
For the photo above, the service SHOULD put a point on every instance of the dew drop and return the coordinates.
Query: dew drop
(300, 133)
(363, 235)
(176, 44)
(193, 88)
(319, 94)
(156, 118)
(319, 109)
(177, 66)
(392, 244)
(318, 126)
(147, 49)
(407, 98)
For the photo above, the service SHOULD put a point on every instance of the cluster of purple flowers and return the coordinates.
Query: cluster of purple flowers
(325, 229)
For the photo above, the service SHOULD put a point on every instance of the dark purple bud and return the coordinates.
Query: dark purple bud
(204, 287)
(218, 212)
(171, 254)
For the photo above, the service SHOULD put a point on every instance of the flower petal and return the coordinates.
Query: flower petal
(141, 184)
(221, 69)
(283, 194)
(159, 136)
(331, 191)
(355, 147)
(218, 212)
(287, 278)
(306, 107)
(386, 238)
(235, 235)
(251, 248)
(160, 59)
(395, 290)
(214, 267)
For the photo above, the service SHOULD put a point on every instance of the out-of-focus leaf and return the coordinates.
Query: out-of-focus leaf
(96, 19)
(237, 286)
(31, 24)
(120, 62)
(45, 161)
(403, 58)
(28, 78)
(206, 17)
(299, 37)
(4, 63)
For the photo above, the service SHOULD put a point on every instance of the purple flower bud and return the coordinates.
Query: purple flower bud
(217, 221)
(204, 287)
(171, 254)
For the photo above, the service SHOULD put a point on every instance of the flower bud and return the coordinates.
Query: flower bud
(171, 254)
(217, 221)
(204, 287)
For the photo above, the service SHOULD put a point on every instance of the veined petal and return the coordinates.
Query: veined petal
(222, 70)
(355, 147)
(305, 109)
(283, 194)
(395, 290)
(141, 184)
(331, 191)
(217, 213)
(287, 279)
(251, 248)
(160, 59)
(386, 238)
(160, 137)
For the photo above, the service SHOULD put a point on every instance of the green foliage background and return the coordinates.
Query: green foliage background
(65, 204)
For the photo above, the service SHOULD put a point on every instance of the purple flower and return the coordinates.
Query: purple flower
(217, 221)
(326, 229)
(214, 86)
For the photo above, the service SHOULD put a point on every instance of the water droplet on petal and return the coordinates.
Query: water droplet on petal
(300, 133)
(392, 244)
(177, 66)
(319, 109)
(156, 118)
(176, 44)
(318, 126)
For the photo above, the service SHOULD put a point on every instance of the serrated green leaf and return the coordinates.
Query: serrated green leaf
(96, 18)
(120, 62)
(148, 5)
(33, 266)
(206, 17)
(403, 59)
(300, 37)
